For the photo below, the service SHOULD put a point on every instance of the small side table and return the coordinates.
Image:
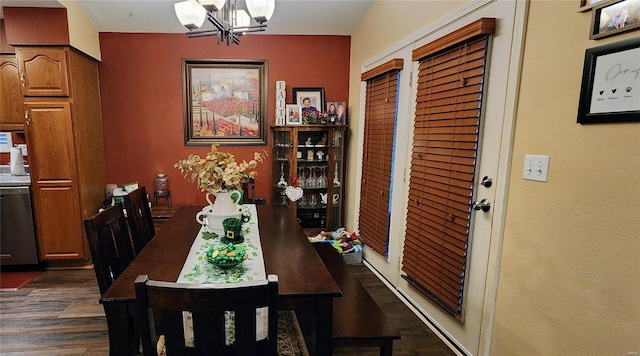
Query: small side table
(162, 194)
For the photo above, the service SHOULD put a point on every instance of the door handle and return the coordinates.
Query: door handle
(484, 205)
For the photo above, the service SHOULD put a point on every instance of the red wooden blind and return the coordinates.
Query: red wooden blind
(445, 142)
(379, 133)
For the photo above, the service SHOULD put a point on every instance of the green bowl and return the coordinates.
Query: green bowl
(225, 264)
(227, 256)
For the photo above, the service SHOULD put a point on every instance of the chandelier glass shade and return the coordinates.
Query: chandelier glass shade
(229, 22)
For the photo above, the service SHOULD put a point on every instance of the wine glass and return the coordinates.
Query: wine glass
(302, 202)
(312, 181)
(313, 201)
(322, 180)
(301, 177)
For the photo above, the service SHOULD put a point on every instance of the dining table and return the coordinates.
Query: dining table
(304, 283)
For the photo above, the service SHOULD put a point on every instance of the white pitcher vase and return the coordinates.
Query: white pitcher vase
(225, 205)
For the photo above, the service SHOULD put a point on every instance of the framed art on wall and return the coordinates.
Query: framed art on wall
(613, 18)
(586, 5)
(224, 102)
(610, 90)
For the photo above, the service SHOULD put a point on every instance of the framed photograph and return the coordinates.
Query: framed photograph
(337, 112)
(294, 117)
(610, 90)
(586, 5)
(309, 98)
(224, 102)
(613, 18)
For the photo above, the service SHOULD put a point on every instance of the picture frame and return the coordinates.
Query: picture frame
(315, 95)
(586, 5)
(224, 102)
(610, 90)
(612, 18)
(294, 115)
(337, 112)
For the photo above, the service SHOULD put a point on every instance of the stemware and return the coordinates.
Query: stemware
(322, 179)
(312, 181)
(301, 177)
(303, 201)
(313, 201)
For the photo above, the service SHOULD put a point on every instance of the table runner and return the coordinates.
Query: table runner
(196, 269)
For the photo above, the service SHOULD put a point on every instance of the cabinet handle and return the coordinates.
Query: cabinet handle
(26, 118)
(22, 80)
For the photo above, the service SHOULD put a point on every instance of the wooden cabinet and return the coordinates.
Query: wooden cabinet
(44, 71)
(11, 113)
(63, 127)
(311, 157)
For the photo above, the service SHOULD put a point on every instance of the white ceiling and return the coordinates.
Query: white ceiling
(318, 17)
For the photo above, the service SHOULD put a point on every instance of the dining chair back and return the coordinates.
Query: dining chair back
(136, 204)
(109, 244)
(209, 304)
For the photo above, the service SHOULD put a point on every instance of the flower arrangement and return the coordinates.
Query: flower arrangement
(314, 117)
(218, 171)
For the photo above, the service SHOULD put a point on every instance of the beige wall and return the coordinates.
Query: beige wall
(82, 34)
(569, 280)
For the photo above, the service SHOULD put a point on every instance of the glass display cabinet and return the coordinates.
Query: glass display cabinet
(309, 172)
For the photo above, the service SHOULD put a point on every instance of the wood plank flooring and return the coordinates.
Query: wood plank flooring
(58, 314)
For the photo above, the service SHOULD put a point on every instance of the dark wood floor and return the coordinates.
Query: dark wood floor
(58, 314)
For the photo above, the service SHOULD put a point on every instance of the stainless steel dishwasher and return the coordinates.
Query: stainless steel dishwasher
(17, 233)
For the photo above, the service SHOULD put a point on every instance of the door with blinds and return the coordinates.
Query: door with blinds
(461, 102)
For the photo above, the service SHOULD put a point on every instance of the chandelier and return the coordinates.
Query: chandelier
(228, 21)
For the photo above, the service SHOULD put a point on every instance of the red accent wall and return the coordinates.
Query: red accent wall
(36, 26)
(4, 46)
(141, 93)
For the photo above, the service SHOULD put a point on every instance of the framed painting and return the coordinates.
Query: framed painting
(610, 90)
(613, 18)
(309, 98)
(224, 102)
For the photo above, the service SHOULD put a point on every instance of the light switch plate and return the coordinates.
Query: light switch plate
(536, 168)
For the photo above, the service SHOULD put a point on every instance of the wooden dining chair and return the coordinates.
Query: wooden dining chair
(136, 204)
(208, 304)
(109, 244)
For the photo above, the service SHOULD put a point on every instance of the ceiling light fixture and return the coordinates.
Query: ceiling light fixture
(228, 21)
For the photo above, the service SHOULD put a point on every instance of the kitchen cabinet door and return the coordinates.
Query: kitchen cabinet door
(50, 140)
(43, 71)
(59, 224)
(54, 181)
(11, 113)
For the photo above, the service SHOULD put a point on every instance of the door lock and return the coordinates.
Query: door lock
(487, 181)
(483, 205)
